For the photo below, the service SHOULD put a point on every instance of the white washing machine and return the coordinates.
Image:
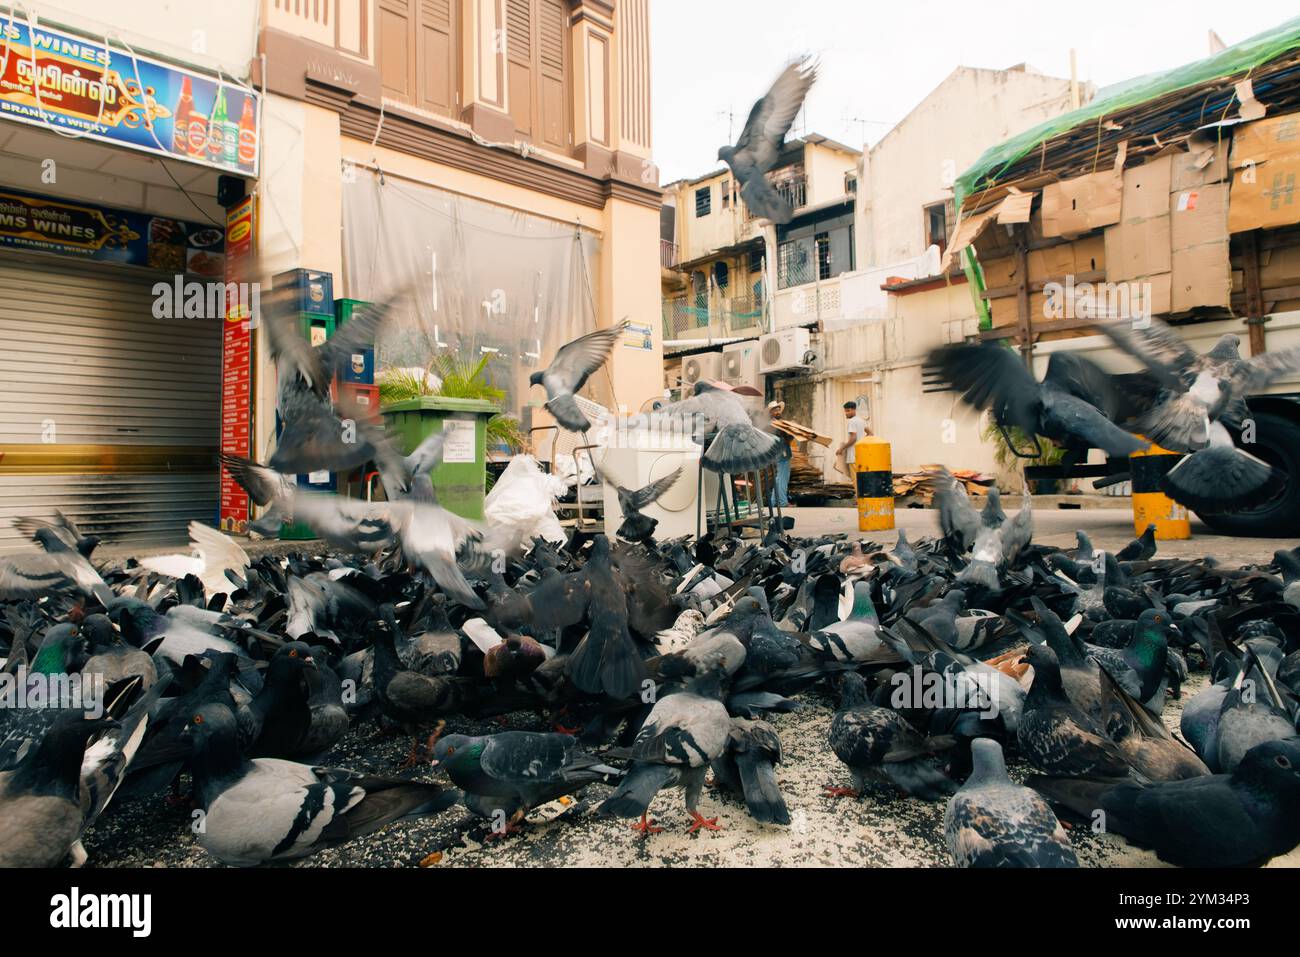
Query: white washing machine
(635, 468)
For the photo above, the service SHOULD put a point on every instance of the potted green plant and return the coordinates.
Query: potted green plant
(1011, 462)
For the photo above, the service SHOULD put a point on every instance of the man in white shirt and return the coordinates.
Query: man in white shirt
(857, 430)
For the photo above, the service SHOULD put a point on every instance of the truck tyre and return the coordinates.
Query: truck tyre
(1277, 442)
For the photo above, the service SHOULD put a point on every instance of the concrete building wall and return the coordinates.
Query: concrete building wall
(882, 360)
(825, 167)
(915, 163)
(331, 113)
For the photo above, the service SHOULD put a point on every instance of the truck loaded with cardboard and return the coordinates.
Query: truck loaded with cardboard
(1174, 198)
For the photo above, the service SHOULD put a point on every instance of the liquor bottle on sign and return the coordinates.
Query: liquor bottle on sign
(217, 128)
(247, 137)
(230, 143)
(198, 144)
(181, 118)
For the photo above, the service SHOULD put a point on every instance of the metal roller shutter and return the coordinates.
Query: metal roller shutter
(106, 413)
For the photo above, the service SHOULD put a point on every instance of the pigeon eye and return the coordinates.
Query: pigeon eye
(293, 652)
(451, 750)
(1283, 761)
(198, 719)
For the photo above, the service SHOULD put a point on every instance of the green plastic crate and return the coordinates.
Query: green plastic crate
(344, 308)
(460, 483)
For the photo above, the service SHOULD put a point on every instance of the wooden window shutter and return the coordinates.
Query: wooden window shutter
(437, 59)
(553, 48)
(519, 63)
(393, 35)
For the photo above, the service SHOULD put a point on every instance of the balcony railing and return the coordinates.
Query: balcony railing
(667, 253)
(689, 317)
(812, 302)
(793, 191)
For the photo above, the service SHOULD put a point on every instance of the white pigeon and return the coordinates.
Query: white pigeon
(213, 554)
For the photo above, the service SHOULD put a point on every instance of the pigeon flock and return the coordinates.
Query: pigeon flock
(635, 670)
(1019, 687)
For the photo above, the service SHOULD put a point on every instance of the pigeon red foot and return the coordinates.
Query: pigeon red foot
(838, 792)
(646, 825)
(708, 823)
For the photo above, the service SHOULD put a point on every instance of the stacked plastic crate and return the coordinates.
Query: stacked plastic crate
(356, 384)
(314, 294)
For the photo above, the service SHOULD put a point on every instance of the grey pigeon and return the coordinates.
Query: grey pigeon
(637, 527)
(1252, 713)
(504, 776)
(993, 822)
(265, 487)
(41, 817)
(266, 809)
(879, 745)
(1196, 396)
(569, 371)
(64, 529)
(316, 432)
(748, 768)
(733, 444)
(760, 143)
(1242, 819)
(1196, 390)
(683, 733)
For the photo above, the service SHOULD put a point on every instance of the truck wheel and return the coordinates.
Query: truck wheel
(1277, 442)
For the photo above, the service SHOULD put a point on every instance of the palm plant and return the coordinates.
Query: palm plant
(456, 378)
(1005, 457)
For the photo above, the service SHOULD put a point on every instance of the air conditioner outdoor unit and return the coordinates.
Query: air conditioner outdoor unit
(740, 364)
(706, 365)
(784, 350)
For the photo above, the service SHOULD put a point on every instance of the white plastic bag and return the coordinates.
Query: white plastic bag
(519, 506)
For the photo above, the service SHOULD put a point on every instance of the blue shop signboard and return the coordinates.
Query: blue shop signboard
(94, 232)
(51, 78)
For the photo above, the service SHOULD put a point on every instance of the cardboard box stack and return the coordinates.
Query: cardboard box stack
(1265, 164)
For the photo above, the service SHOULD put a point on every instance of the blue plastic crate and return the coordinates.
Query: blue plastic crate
(359, 367)
(319, 481)
(314, 290)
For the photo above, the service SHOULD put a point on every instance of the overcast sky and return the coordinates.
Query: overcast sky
(879, 59)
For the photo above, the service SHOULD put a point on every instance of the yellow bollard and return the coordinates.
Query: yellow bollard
(875, 476)
(1151, 506)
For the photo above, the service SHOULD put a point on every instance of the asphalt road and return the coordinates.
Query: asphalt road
(1110, 528)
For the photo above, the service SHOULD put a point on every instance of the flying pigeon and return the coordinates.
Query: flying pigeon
(1077, 404)
(637, 527)
(760, 143)
(569, 371)
(733, 444)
